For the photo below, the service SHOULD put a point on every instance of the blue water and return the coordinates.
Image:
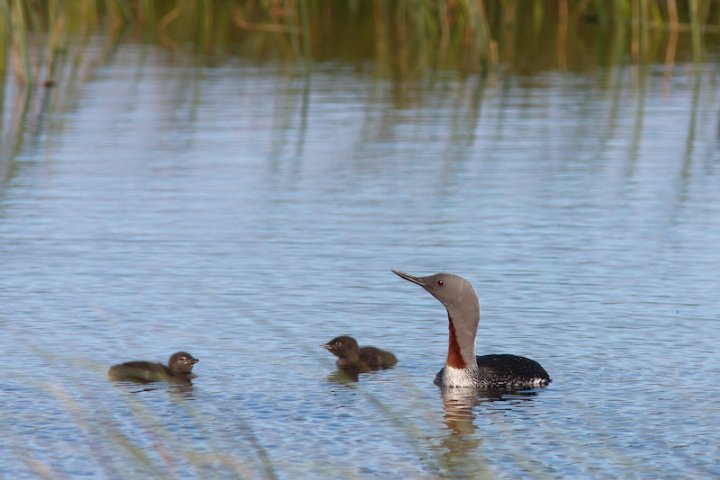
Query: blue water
(247, 213)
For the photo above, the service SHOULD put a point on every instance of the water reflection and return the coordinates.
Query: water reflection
(126, 240)
(344, 375)
(459, 448)
(182, 391)
(348, 374)
(179, 390)
(461, 442)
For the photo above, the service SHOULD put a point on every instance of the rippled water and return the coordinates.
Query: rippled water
(248, 213)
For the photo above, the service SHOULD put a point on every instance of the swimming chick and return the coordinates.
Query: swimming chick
(365, 359)
(462, 367)
(179, 369)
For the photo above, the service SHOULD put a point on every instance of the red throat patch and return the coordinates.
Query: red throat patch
(454, 358)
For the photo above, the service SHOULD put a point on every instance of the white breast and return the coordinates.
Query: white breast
(459, 377)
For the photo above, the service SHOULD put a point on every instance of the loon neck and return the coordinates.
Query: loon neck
(455, 358)
(352, 355)
(461, 368)
(462, 325)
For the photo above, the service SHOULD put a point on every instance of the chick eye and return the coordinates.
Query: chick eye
(440, 283)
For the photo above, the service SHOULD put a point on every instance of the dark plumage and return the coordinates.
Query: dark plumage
(507, 371)
(362, 358)
(179, 369)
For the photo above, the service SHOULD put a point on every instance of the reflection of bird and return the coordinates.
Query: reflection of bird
(458, 405)
(463, 368)
(179, 369)
(459, 452)
(345, 375)
(352, 356)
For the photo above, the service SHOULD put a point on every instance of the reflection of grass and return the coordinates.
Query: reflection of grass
(45, 43)
(403, 36)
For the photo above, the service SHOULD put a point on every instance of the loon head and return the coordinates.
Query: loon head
(341, 346)
(182, 362)
(453, 291)
(461, 302)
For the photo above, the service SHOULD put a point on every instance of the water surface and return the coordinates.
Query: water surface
(248, 212)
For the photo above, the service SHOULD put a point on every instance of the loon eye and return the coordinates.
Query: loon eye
(440, 283)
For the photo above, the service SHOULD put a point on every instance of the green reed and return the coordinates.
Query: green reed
(402, 36)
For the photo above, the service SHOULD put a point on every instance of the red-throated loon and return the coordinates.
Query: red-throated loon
(462, 367)
(179, 369)
(362, 358)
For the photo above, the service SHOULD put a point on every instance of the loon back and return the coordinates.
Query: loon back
(505, 371)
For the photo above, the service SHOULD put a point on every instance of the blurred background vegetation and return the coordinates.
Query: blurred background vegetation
(400, 37)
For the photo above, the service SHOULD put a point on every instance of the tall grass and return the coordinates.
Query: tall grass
(403, 35)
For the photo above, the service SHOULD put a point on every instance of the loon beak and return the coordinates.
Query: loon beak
(326, 346)
(409, 278)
